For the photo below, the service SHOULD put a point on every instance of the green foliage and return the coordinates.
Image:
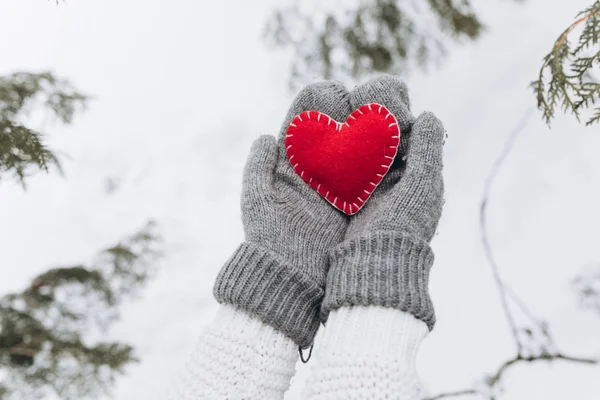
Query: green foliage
(22, 149)
(44, 349)
(566, 78)
(369, 36)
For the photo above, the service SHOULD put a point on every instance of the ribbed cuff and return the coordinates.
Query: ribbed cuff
(254, 280)
(384, 268)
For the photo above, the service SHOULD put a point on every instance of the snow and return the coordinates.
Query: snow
(180, 91)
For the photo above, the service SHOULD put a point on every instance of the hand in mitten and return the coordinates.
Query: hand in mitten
(278, 274)
(385, 258)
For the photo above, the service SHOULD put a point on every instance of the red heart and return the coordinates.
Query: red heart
(344, 162)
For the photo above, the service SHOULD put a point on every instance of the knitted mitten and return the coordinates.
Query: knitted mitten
(278, 274)
(385, 257)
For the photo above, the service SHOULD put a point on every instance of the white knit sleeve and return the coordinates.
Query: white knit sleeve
(238, 357)
(367, 353)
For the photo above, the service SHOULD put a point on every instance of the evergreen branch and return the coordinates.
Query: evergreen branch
(43, 351)
(568, 72)
(563, 37)
(371, 36)
(22, 149)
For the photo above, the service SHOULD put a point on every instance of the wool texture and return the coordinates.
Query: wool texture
(367, 353)
(344, 161)
(385, 258)
(238, 357)
(278, 274)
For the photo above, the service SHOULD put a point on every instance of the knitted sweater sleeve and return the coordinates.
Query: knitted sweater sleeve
(238, 357)
(367, 352)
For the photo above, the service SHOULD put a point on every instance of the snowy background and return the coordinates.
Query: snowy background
(182, 88)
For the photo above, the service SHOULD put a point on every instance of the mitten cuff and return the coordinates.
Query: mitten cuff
(387, 269)
(256, 281)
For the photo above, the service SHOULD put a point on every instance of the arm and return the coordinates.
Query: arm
(272, 287)
(238, 357)
(377, 300)
(367, 353)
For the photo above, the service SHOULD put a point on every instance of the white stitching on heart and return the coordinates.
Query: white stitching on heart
(300, 117)
(339, 125)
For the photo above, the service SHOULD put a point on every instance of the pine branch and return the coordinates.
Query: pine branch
(43, 346)
(371, 36)
(565, 78)
(22, 149)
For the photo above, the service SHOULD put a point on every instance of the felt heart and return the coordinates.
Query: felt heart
(344, 161)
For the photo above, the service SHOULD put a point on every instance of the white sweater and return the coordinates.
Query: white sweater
(366, 353)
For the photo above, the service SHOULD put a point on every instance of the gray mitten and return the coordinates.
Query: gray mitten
(385, 258)
(278, 274)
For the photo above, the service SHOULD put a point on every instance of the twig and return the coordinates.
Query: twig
(494, 379)
(453, 394)
(483, 225)
(570, 29)
(521, 304)
(508, 364)
(505, 290)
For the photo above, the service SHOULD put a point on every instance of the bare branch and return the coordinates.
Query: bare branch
(508, 364)
(453, 394)
(484, 230)
(505, 291)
